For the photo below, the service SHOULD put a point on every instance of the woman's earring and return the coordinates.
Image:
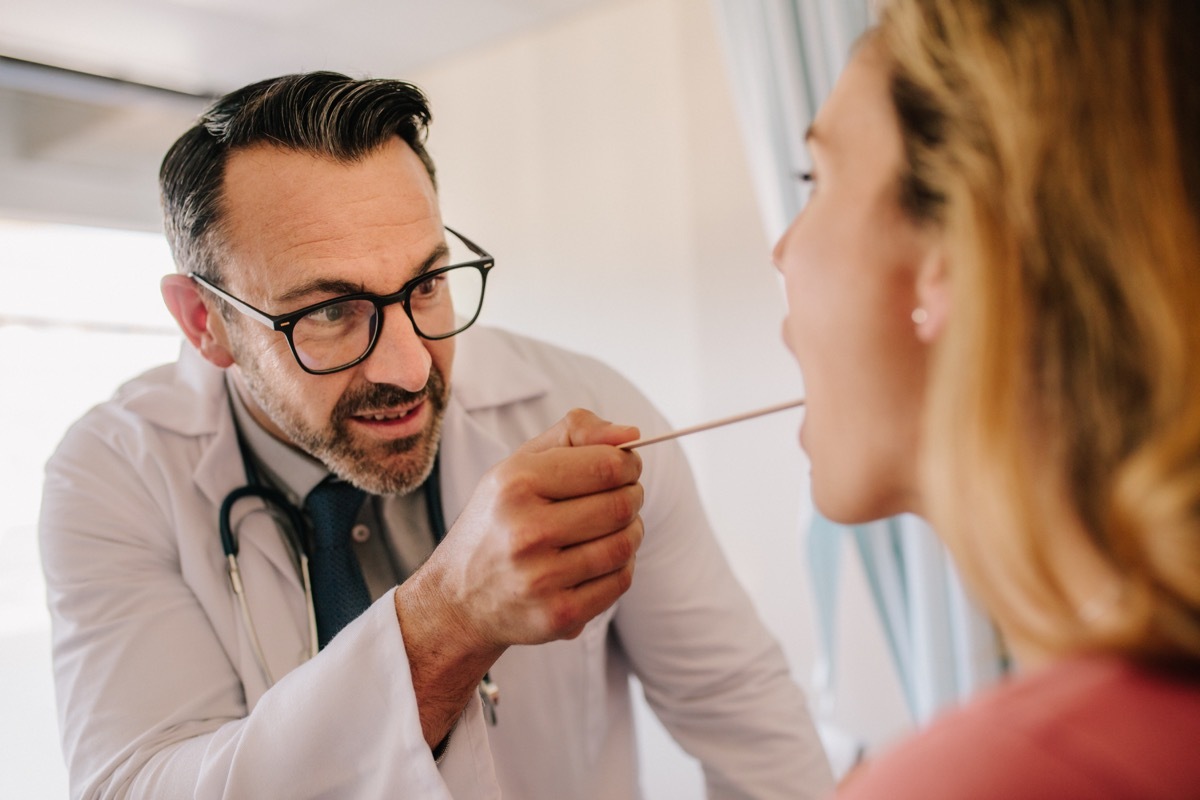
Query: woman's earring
(920, 316)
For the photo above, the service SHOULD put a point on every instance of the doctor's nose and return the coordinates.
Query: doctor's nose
(400, 356)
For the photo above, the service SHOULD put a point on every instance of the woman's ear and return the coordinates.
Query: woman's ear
(204, 330)
(933, 295)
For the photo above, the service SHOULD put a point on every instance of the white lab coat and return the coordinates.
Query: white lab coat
(161, 696)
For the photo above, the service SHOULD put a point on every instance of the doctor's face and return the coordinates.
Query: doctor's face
(300, 229)
(849, 263)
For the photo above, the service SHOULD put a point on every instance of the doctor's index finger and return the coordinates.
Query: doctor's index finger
(563, 473)
(580, 427)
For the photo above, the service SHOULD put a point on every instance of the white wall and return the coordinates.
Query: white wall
(600, 161)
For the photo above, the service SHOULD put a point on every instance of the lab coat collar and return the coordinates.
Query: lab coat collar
(490, 372)
(187, 397)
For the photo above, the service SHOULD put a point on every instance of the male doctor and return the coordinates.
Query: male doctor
(324, 304)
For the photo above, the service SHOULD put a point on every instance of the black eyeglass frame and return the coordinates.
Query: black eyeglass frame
(284, 323)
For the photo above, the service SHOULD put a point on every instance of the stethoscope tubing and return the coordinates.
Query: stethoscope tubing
(229, 543)
(272, 497)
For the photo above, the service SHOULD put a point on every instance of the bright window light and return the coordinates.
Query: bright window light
(80, 313)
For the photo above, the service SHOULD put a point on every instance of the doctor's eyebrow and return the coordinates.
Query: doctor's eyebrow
(337, 286)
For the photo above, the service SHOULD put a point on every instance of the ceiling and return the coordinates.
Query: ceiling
(204, 46)
(92, 92)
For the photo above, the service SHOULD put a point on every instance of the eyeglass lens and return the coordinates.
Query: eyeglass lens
(440, 306)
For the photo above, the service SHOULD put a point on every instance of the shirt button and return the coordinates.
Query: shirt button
(360, 533)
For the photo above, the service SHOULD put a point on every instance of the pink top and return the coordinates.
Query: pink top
(1082, 728)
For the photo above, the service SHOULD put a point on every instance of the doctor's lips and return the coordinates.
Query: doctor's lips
(387, 416)
(383, 403)
(716, 423)
(395, 417)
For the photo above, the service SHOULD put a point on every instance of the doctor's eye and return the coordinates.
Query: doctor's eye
(429, 287)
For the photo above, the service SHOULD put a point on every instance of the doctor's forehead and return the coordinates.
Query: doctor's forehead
(302, 215)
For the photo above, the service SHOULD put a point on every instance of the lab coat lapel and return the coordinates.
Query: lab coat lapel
(203, 412)
(468, 450)
(488, 374)
(189, 399)
(269, 567)
(220, 471)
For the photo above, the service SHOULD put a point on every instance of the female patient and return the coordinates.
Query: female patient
(994, 296)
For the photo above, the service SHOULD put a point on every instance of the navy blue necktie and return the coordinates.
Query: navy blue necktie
(339, 590)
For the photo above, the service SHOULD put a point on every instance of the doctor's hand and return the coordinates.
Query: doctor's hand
(547, 542)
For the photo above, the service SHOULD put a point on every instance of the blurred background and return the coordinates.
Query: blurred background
(628, 162)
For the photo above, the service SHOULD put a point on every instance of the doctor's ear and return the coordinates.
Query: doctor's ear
(933, 296)
(205, 331)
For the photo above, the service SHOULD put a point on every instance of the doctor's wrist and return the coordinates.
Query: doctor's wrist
(445, 669)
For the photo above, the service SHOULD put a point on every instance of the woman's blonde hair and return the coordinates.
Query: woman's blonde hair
(1057, 144)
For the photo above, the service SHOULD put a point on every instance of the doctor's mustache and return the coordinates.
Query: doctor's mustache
(378, 396)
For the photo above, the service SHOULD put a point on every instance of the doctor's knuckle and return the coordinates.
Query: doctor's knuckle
(620, 550)
(562, 614)
(637, 532)
(621, 508)
(540, 584)
(578, 417)
(607, 470)
(638, 493)
(624, 576)
(516, 485)
(529, 538)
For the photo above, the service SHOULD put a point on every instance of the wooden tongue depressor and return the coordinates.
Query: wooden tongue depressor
(716, 423)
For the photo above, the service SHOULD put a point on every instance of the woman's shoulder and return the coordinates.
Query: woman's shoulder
(1087, 727)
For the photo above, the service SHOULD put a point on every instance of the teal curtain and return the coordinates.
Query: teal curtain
(783, 57)
(943, 647)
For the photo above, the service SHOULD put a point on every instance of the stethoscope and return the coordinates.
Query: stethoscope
(296, 526)
(272, 498)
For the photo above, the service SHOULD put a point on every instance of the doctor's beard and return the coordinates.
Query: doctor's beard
(396, 466)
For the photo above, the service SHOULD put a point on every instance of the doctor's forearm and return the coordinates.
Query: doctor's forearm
(445, 668)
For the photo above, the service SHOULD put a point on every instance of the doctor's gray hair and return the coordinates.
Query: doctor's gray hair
(322, 113)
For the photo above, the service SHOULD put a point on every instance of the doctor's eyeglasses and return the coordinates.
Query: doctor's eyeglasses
(338, 333)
